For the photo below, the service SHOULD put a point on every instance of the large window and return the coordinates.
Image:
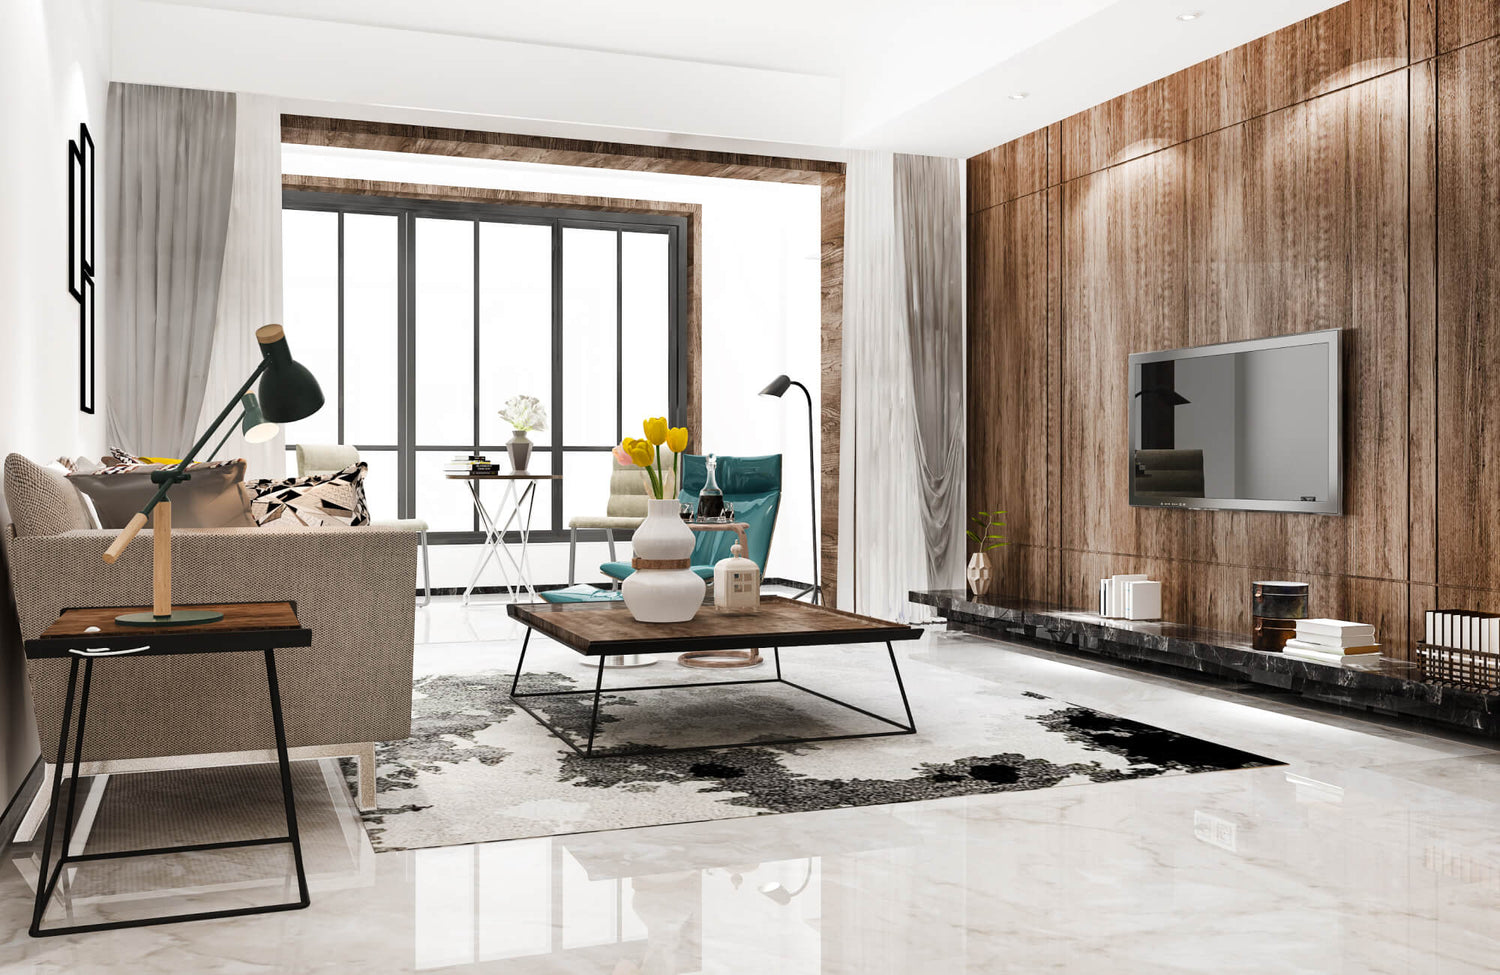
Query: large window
(421, 318)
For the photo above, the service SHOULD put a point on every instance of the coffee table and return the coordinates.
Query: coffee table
(600, 630)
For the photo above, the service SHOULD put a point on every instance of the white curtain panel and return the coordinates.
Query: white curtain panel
(170, 170)
(930, 215)
(902, 450)
(250, 286)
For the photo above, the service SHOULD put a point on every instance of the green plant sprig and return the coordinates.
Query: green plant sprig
(986, 537)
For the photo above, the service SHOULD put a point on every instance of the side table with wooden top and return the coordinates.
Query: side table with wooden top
(87, 636)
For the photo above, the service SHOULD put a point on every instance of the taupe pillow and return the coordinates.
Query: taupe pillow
(214, 497)
(41, 500)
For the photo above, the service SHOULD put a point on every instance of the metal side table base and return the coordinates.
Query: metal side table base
(50, 872)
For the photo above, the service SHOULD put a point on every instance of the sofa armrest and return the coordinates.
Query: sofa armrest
(354, 589)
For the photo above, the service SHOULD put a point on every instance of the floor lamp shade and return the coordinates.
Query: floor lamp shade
(777, 386)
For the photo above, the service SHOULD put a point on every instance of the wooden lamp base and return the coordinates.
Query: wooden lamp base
(162, 613)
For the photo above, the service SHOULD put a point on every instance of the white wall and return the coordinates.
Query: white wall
(761, 317)
(53, 75)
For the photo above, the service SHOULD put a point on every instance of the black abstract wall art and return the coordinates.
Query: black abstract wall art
(81, 264)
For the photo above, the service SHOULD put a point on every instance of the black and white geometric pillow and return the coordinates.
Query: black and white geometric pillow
(318, 499)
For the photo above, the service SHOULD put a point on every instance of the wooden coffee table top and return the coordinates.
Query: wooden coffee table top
(605, 629)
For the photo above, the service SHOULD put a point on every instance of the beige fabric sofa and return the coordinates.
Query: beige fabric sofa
(351, 688)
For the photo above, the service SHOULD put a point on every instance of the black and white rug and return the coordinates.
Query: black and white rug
(477, 768)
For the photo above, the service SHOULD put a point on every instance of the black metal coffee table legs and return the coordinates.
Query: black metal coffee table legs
(598, 691)
(51, 872)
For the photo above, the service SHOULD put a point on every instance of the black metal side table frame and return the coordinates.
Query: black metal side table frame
(51, 871)
(909, 728)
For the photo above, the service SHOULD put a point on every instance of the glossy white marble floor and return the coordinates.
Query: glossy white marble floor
(1373, 850)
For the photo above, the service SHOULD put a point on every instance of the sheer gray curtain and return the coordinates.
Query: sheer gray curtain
(902, 454)
(171, 173)
(250, 288)
(929, 213)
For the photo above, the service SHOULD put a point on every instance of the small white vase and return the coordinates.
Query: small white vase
(980, 575)
(663, 595)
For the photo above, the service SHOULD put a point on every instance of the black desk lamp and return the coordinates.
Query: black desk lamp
(288, 392)
(776, 388)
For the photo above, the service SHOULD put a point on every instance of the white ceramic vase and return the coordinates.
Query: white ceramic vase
(979, 574)
(663, 595)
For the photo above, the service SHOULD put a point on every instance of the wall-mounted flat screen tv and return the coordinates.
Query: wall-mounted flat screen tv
(1251, 425)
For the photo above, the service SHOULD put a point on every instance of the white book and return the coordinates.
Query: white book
(1337, 642)
(1332, 659)
(1103, 597)
(1117, 592)
(1330, 651)
(1325, 627)
(1143, 600)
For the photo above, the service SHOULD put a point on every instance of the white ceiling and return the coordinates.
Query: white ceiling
(929, 76)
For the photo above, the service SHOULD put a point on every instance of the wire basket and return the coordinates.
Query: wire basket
(1464, 668)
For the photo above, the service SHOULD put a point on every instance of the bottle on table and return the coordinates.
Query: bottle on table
(711, 499)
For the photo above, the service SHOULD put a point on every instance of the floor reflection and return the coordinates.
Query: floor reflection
(1372, 849)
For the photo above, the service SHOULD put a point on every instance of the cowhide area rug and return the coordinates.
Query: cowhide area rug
(478, 768)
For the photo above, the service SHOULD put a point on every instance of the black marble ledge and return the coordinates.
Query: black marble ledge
(1383, 685)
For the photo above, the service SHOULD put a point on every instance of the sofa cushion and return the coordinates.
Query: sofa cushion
(213, 497)
(41, 500)
(317, 499)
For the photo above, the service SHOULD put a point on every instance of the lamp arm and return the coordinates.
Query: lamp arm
(227, 434)
(169, 478)
(812, 474)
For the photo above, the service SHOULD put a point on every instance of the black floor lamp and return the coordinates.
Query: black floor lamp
(776, 388)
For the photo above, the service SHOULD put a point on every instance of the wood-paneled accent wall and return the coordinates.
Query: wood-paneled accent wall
(827, 176)
(1335, 174)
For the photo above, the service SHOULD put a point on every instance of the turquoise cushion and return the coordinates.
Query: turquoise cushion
(623, 570)
(580, 594)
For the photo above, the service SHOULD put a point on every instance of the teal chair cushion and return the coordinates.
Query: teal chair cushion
(622, 570)
(752, 485)
(580, 594)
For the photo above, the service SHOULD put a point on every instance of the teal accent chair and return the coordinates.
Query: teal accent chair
(751, 484)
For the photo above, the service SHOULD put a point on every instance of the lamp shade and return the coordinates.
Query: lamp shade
(254, 425)
(777, 386)
(288, 391)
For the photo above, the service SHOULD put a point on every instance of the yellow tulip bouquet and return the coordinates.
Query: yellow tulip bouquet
(644, 454)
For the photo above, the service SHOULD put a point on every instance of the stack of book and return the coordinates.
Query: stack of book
(1335, 642)
(1461, 629)
(471, 464)
(1131, 597)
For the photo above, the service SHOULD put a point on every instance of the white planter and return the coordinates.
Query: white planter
(663, 595)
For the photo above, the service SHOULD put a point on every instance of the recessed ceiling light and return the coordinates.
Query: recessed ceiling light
(1020, 96)
(1190, 15)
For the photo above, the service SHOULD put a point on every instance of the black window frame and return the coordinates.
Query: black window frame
(548, 527)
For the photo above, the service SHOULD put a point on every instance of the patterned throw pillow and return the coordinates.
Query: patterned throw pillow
(318, 499)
